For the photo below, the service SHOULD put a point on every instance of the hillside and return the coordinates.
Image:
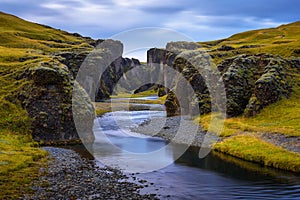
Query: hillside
(283, 40)
(272, 136)
(26, 47)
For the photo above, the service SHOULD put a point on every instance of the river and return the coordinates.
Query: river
(216, 176)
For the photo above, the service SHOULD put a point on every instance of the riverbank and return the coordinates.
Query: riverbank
(70, 176)
(268, 149)
(168, 128)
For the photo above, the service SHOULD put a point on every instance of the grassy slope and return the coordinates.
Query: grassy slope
(281, 117)
(251, 148)
(283, 41)
(22, 44)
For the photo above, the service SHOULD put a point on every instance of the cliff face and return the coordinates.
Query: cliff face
(47, 96)
(251, 82)
(42, 82)
(48, 100)
(112, 74)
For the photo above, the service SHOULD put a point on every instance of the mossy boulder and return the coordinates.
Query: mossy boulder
(48, 100)
(253, 82)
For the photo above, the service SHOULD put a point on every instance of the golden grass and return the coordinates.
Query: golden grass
(251, 148)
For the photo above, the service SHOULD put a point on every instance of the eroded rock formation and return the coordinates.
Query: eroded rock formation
(47, 94)
(251, 82)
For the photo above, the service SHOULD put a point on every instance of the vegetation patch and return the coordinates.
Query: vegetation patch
(20, 161)
(250, 148)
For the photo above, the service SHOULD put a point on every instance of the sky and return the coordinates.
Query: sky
(200, 20)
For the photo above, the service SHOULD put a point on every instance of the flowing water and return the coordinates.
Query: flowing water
(217, 176)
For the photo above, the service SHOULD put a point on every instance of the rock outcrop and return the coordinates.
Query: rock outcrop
(251, 82)
(112, 75)
(48, 100)
(47, 94)
(112, 71)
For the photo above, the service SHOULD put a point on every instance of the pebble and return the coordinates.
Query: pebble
(284, 141)
(69, 176)
(176, 129)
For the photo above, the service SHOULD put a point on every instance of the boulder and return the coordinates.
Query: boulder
(48, 101)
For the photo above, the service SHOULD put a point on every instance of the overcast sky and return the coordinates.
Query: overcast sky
(201, 20)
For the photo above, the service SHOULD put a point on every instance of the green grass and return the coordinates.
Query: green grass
(283, 41)
(140, 94)
(18, 33)
(20, 159)
(17, 151)
(251, 148)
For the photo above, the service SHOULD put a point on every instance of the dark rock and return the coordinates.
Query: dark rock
(254, 81)
(112, 75)
(225, 48)
(180, 60)
(172, 105)
(48, 101)
(112, 71)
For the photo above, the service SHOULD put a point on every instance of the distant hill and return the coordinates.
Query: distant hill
(18, 33)
(283, 40)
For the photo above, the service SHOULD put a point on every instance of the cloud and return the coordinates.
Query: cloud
(200, 19)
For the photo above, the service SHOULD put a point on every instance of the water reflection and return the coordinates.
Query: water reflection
(217, 176)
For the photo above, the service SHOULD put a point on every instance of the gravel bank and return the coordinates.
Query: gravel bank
(176, 129)
(69, 176)
(288, 143)
(168, 129)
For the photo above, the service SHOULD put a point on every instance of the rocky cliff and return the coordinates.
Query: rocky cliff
(47, 96)
(112, 71)
(38, 70)
(112, 75)
(251, 82)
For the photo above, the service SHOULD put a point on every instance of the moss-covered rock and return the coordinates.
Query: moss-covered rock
(48, 100)
(251, 82)
(273, 85)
